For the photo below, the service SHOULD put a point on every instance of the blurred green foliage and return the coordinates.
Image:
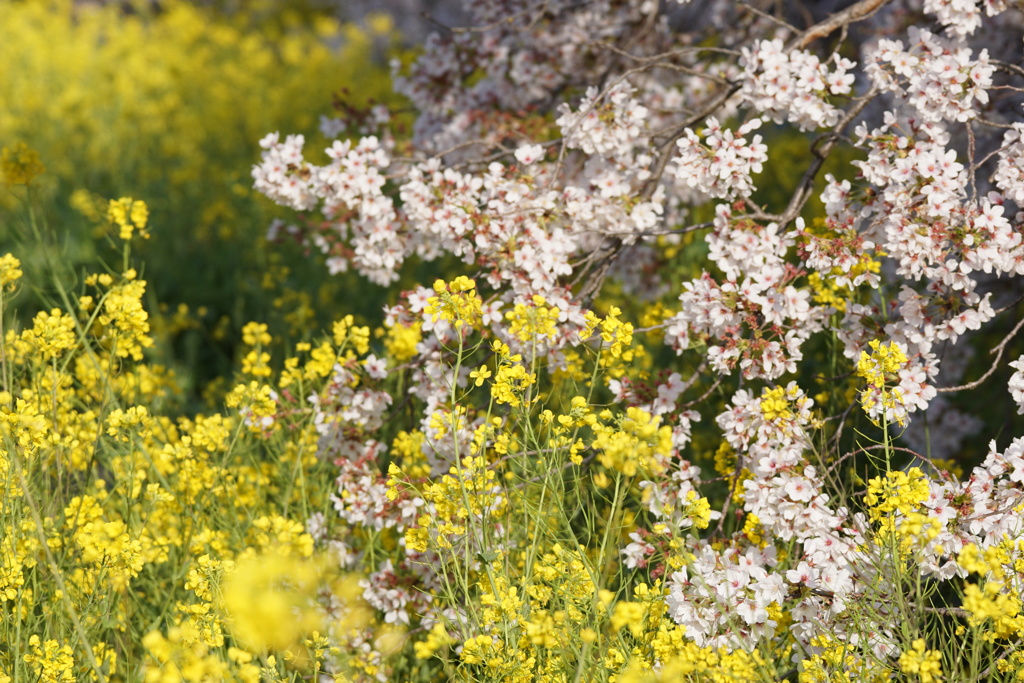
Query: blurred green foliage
(166, 102)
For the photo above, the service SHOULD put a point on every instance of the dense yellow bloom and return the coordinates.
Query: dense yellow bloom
(51, 334)
(511, 383)
(437, 638)
(697, 509)
(10, 271)
(256, 403)
(321, 362)
(774, 404)
(994, 608)
(407, 448)
(635, 441)
(401, 341)
(1012, 664)
(475, 649)
(884, 359)
(501, 601)
(629, 614)
(208, 432)
(879, 368)
(257, 364)
(282, 536)
(136, 417)
(691, 662)
(175, 658)
(533, 322)
(176, 96)
(417, 539)
(838, 662)
(827, 292)
(270, 600)
(542, 630)
(468, 492)
(898, 492)
(28, 427)
(129, 216)
(925, 664)
(346, 333)
(456, 302)
(255, 334)
(124, 321)
(616, 336)
(561, 577)
(112, 551)
(51, 662)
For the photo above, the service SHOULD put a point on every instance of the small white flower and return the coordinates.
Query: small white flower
(376, 368)
(528, 154)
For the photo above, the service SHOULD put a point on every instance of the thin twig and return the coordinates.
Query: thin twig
(764, 15)
(735, 480)
(661, 61)
(998, 350)
(703, 396)
(1007, 67)
(984, 674)
(954, 611)
(834, 441)
(864, 449)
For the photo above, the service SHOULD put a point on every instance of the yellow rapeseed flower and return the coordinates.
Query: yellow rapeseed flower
(20, 164)
(926, 665)
(10, 271)
(129, 216)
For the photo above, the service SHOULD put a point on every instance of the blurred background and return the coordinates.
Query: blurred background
(166, 102)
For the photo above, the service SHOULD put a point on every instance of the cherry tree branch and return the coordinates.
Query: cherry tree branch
(852, 14)
(998, 350)
(821, 152)
(1007, 67)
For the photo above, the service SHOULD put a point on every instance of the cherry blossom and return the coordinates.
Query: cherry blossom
(567, 158)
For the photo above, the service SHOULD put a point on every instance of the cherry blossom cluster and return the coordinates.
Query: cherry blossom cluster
(723, 598)
(719, 313)
(785, 499)
(351, 187)
(843, 253)
(793, 85)
(399, 592)
(282, 175)
(1009, 173)
(466, 85)
(362, 500)
(720, 165)
(607, 125)
(939, 80)
(1017, 383)
(962, 17)
(343, 415)
(977, 511)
